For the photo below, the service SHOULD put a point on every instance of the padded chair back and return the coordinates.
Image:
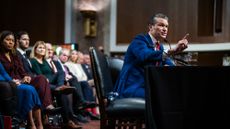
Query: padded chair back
(101, 74)
(115, 65)
(8, 102)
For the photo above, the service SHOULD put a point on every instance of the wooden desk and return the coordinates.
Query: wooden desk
(187, 97)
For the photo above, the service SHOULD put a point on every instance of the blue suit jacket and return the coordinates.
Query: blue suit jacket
(140, 53)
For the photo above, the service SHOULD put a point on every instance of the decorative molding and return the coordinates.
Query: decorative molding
(68, 21)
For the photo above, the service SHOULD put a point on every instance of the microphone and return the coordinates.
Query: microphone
(179, 60)
(166, 41)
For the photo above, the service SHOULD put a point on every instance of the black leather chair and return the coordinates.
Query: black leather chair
(115, 66)
(8, 105)
(119, 113)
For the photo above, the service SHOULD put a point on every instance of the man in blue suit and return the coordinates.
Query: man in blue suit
(146, 49)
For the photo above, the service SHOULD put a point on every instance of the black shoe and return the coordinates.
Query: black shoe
(16, 122)
(85, 105)
(64, 90)
(80, 118)
(53, 111)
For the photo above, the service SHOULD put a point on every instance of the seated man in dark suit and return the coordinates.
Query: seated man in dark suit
(43, 89)
(70, 80)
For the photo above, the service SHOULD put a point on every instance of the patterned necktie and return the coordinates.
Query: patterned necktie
(157, 45)
(157, 48)
(66, 70)
(25, 55)
(27, 59)
(53, 66)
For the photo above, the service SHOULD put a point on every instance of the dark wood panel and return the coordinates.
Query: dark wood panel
(205, 17)
(130, 24)
(43, 19)
(226, 19)
(132, 18)
(211, 58)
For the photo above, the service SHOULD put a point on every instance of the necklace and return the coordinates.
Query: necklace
(8, 56)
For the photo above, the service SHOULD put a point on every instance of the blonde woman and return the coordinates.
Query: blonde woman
(78, 68)
(56, 78)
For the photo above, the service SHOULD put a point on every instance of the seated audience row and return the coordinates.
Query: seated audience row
(28, 100)
(43, 75)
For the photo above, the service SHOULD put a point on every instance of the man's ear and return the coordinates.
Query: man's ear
(151, 26)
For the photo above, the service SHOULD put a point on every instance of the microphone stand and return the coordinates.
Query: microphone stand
(180, 61)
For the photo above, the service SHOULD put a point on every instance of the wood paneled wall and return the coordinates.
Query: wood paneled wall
(185, 16)
(43, 19)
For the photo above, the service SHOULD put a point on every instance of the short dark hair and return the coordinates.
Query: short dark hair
(152, 20)
(20, 33)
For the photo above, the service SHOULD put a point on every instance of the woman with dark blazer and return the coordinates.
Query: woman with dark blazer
(10, 60)
(28, 100)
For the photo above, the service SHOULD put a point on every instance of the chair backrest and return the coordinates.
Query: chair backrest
(115, 65)
(8, 98)
(101, 74)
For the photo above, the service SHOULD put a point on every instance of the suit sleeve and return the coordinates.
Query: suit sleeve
(142, 52)
(19, 66)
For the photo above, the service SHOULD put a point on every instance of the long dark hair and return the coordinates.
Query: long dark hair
(3, 35)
